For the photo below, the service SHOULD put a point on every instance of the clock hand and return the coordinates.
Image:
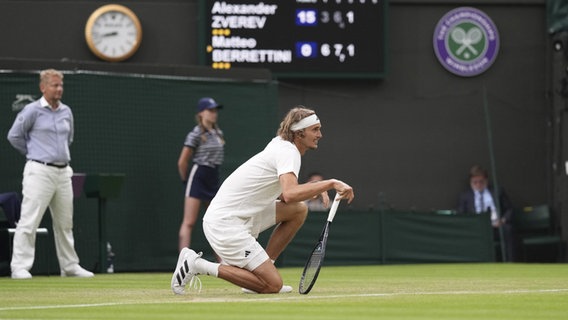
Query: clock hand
(109, 34)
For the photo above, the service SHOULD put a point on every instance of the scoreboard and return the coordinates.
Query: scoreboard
(296, 38)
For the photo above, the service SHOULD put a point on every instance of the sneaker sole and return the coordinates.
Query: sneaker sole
(176, 280)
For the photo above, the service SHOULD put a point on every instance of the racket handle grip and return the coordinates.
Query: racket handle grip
(334, 206)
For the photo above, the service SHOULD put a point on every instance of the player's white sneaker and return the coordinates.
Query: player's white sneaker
(284, 289)
(185, 272)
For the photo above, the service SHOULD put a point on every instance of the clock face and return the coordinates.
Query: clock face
(113, 33)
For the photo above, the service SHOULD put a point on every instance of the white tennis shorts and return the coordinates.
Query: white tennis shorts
(235, 240)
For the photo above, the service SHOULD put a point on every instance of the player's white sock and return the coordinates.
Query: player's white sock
(207, 267)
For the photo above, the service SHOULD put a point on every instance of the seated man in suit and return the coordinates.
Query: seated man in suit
(480, 198)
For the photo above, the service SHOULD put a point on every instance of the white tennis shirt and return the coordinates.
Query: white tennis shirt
(255, 185)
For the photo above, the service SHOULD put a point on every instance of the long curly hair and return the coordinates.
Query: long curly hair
(295, 114)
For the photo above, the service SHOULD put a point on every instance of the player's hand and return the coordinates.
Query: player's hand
(325, 199)
(344, 190)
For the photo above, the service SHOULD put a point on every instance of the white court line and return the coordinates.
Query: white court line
(281, 297)
(63, 306)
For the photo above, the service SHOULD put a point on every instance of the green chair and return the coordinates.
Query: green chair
(534, 229)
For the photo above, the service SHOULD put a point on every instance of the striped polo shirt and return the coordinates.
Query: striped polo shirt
(209, 152)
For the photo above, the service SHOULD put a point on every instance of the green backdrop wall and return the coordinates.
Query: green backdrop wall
(136, 125)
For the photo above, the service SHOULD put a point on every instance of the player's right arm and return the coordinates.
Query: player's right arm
(292, 191)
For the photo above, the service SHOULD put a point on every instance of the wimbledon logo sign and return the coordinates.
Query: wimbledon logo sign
(466, 41)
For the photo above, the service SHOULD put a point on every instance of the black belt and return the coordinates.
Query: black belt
(60, 166)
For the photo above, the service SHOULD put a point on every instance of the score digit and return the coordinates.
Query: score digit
(306, 50)
(306, 17)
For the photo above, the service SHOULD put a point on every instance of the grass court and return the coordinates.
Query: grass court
(419, 291)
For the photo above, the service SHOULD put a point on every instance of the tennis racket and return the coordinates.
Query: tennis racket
(313, 265)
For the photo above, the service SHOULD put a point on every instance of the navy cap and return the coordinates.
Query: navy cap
(207, 103)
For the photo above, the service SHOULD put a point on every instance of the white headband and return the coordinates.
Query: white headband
(304, 123)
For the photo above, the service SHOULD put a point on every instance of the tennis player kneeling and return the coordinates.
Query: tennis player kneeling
(261, 193)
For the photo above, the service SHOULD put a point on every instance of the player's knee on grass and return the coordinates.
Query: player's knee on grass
(273, 287)
(269, 277)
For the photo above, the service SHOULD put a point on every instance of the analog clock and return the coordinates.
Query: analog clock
(113, 32)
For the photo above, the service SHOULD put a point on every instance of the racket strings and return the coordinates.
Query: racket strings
(315, 261)
(311, 270)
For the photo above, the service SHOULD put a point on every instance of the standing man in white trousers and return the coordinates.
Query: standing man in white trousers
(43, 131)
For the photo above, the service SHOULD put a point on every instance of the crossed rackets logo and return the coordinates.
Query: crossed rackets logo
(466, 41)
(468, 44)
